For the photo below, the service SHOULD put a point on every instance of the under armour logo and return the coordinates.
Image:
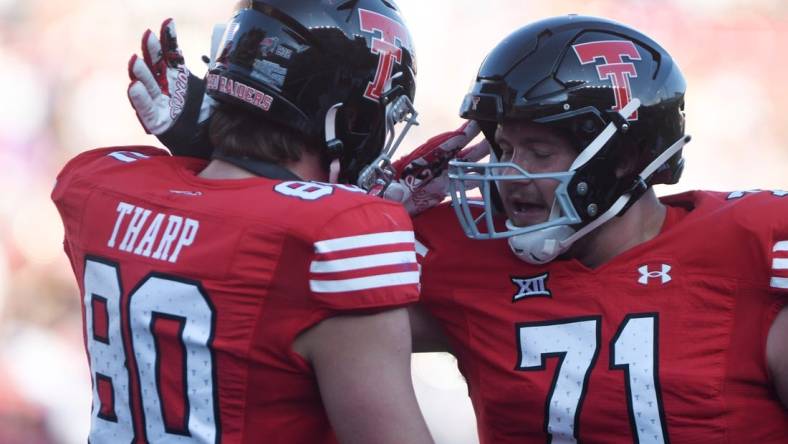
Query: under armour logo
(646, 275)
(528, 287)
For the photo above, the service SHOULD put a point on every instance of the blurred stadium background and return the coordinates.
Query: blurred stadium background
(63, 90)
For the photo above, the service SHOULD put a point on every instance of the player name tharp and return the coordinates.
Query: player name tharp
(158, 240)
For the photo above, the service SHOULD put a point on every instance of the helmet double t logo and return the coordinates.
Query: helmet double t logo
(385, 46)
(612, 52)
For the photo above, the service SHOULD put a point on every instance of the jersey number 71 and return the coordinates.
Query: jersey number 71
(575, 342)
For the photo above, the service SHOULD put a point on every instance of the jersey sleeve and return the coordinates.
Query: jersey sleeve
(82, 174)
(761, 224)
(89, 162)
(437, 235)
(766, 214)
(778, 246)
(365, 258)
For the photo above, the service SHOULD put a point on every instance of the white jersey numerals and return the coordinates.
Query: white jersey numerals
(313, 190)
(304, 190)
(110, 420)
(171, 326)
(635, 352)
(576, 343)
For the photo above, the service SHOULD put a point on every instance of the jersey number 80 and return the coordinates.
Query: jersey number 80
(163, 334)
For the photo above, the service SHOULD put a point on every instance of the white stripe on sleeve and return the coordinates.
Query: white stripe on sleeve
(365, 240)
(365, 283)
(779, 282)
(780, 264)
(421, 249)
(361, 262)
(127, 156)
(781, 246)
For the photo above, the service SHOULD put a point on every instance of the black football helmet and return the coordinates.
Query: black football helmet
(617, 95)
(339, 72)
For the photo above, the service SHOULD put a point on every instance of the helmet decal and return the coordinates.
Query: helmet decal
(385, 47)
(240, 91)
(614, 68)
(476, 100)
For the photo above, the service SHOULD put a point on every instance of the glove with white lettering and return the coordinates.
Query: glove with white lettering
(422, 179)
(170, 102)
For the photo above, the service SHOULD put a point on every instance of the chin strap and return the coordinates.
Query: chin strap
(601, 140)
(333, 144)
(662, 158)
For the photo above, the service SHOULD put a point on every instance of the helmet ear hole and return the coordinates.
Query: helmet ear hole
(488, 130)
(627, 158)
(626, 167)
(589, 127)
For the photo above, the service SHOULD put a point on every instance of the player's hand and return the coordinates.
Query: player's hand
(422, 179)
(170, 102)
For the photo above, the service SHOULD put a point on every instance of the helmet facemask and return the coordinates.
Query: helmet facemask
(543, 242)
(379, 174)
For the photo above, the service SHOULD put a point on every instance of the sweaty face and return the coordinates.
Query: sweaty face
(537, 149)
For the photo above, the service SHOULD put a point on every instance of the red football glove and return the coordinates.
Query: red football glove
(170, 102)
(422, 179)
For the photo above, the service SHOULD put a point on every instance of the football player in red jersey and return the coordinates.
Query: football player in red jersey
(256, 297)
(619, 317)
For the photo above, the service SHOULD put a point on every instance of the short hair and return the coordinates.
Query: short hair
(236, 132)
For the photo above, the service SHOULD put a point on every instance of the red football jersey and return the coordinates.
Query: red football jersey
(194, 290)
(665, 343)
